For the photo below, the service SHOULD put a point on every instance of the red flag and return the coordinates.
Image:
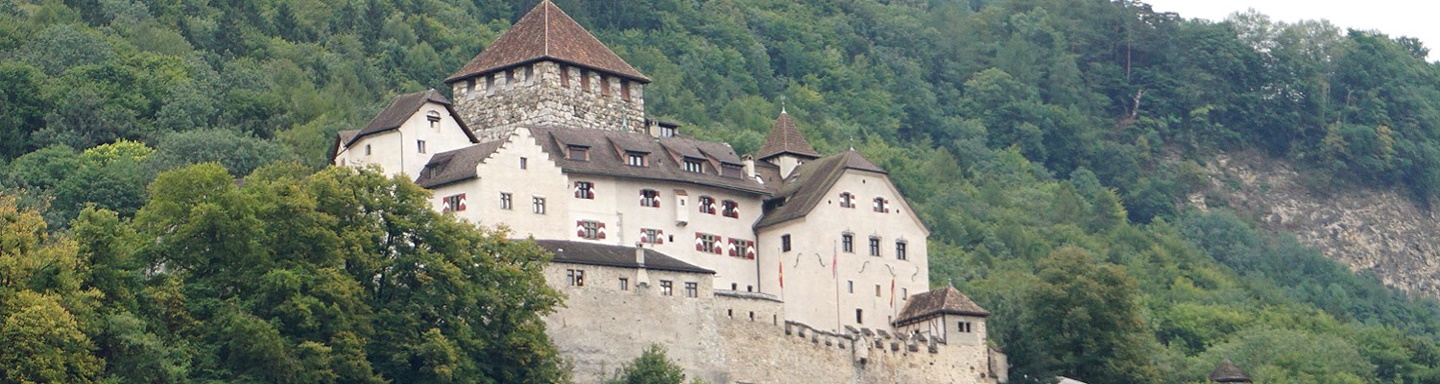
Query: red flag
(835, 264)
(782, 273)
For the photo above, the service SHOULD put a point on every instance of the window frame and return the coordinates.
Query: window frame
(902, 250)
(693, 165)
(707, 204)
(692, 289)
(420, 146)
(453, 203)
(847, 200)
(649, 198)
(785, 243)
(575, 277)
(875, 246)
(624, 284)
(667, 288)
(507, 201)
(585, 190)
(636, 159)
(537, 205)
(847, 242)
(577, 152)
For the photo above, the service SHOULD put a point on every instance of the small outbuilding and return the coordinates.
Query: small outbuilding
(1228, 372)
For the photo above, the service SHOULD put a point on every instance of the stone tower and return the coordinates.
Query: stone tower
(548, 70)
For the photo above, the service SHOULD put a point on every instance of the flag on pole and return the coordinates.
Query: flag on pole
(782, 273)
(835, 264)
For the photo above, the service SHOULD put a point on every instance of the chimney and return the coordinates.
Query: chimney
(642, 277)
(749, 162)
(640, 254)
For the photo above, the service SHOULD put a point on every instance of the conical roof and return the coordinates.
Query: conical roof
(786, 138)
(547, 33)
(1227, 372)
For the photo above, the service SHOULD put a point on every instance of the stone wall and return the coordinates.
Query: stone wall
(714, 337)
(539, 94)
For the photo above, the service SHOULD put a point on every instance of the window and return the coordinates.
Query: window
(874, 246)
(693, 166)
(434, 118)
(469, 86)
(537, 205)
(785, 243)
(604, 85)
(667, 131)
(877, 290)
(904, 293)
(730, 209)
(742, 248)
(575, 277)
(367, 149)
(850, 286)
(420, 146)
(652, 236)
(847, 200)
(524, 163)
(635, 159)
(880, 205)
(650, 198)
(577, 152)
(454, 203)
(585, 80)
(565, 76)
(847, 243)
(707, 243)
(730, 170)
(692, 290)
(505, 201)
(859, 316)
(625, 89)
(964, 326)
(589, 229)
(585, 190)
(624, 284)
(667, 288)
(900, 250)
(707, 205)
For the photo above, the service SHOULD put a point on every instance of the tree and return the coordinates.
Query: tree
(1084, 320)
(651, 367)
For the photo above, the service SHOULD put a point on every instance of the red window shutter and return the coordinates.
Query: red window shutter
(659, 237)
(699, 242)
(601, 232)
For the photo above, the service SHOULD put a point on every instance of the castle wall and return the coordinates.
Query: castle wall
(714, 337)
(540, 94)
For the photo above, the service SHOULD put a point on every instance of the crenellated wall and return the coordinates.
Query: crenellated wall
(725, 336)
(549, 93)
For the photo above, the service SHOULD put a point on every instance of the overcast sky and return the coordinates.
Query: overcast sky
(1392, 17)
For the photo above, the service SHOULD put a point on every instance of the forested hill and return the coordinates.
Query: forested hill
(1048, 144)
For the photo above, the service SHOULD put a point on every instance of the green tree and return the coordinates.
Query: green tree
(651, 367)
(1084, 320)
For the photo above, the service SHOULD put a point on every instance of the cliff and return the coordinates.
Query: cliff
(1377, 230)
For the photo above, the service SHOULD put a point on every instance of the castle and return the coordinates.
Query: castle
(782, 267)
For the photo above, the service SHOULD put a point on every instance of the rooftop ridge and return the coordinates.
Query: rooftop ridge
(547, 33)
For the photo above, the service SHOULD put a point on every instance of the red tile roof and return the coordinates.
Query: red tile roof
(785, 138)
(547, 33)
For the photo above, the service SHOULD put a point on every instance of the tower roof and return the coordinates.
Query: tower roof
(785, 138)
(547, 33)
(1227, 372)
(943, 301)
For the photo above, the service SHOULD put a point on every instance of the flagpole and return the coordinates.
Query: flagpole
(835, 274)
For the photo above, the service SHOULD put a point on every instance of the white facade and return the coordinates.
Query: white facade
(406, 149)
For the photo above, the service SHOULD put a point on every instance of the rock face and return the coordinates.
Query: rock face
(1382, 231)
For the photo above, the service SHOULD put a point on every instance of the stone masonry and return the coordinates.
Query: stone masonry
(548, 93)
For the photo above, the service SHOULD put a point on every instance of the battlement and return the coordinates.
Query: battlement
(549, 93)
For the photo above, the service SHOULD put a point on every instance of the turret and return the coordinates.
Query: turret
(786, 147)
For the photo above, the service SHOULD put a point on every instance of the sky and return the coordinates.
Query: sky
(1392, 17)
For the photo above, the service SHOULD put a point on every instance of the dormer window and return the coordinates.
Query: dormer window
(730, 170)
(667, 131)
(694, 166)
(577, 152)
(880, 205)
(730, 209)
(635, 159)
(434, 118)
(847, 200)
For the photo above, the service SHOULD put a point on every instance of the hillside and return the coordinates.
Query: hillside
(1053, 147)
